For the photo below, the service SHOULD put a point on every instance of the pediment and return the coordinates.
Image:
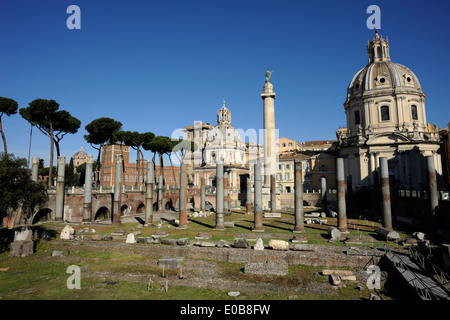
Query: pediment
(387, 138)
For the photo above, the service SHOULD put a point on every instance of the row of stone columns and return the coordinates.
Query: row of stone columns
(220, 194)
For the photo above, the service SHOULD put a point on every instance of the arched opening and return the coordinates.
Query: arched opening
(42, 216)
(140, 208)
(102, 214)
(124, 210)
(169, 205)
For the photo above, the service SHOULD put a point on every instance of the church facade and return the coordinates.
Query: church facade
(217, 143)
(385, 111)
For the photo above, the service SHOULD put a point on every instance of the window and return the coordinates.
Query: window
(278, 176)
(288, 189)
(357, 117)
(284, 144)
(280, 167)
(286, 176)
(323, 168)
(384, 110)
(414, 115)
(290, 144)
(280, 187)
(287, 167)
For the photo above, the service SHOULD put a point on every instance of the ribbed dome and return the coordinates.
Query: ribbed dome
(80, 154)
(383, 75)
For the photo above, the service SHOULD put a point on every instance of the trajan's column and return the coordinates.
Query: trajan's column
(270, 151)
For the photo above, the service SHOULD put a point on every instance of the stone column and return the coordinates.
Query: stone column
(323, 193)
(160, 192)
(270, 152)
(183, 192)
(258, 226)
(59, 206)
(342, 215)
(202, 194)
(226, 182)
(117, 189)
(298, 190)
(149, 194)
(249, 196)
(87, 203)
(273, 193)
(432, 185)
(219, 197)
(386, 194)
(268, 97)
(35, 169)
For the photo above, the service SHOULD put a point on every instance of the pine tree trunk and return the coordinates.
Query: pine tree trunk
(3, 137)
(51, 156)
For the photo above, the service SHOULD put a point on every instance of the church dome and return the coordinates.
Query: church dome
(80, 154)
(384, 97)
(381, 74)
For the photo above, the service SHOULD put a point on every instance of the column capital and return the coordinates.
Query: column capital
(118, 158)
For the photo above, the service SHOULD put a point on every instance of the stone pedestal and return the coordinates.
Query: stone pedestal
(21, 248)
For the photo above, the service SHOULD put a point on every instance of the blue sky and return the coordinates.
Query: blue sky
(161, 65)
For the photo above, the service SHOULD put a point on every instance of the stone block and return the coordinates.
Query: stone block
(170, 262)
(229, 224)
(335, 280)
(23, 234)
(168, 241)
(21, 248)
(240, 243)
(148, 240)
(327, 272)
(67, 233)
(107, 238)
(303, 247)
(205, 243)
(272, 267)
(159, 234)
(259, 245)
(272, 215)
(279, 245)
(58, 253)
(182, 241)
(223, 244)
(96, 237)
(130, 238)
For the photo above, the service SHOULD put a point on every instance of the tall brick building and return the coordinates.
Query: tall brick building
(131, 175)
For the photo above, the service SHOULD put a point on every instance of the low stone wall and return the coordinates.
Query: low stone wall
(327, 256)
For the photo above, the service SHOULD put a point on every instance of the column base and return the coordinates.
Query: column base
(258, 229)
(219, 228)
(298, 230)
(182, 227)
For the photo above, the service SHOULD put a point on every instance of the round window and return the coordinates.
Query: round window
(382, 80)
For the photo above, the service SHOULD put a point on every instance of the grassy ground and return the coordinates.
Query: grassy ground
(109, 275)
